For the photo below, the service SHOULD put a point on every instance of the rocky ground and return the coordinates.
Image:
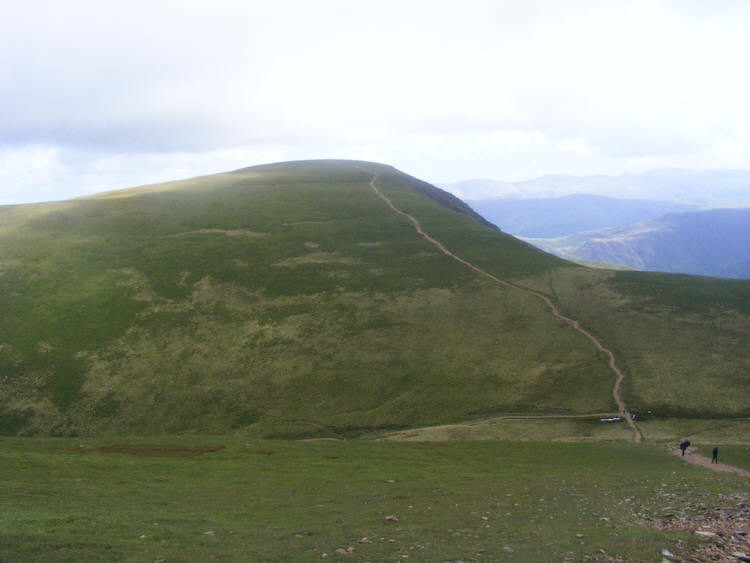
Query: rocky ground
(723, 531)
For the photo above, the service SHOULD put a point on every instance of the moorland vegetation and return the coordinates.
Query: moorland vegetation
(288, 300)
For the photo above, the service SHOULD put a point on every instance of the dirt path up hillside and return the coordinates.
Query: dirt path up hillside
(619, 377)
(694, 458)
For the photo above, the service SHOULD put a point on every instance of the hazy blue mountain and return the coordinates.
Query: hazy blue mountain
(711, 243)
(557, 217)
(707, 188)
(481, 189)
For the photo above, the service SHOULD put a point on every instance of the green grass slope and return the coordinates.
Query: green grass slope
(268, 500)
(683, 340)
(288, 300)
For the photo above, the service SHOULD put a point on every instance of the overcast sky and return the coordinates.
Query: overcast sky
(96, 95)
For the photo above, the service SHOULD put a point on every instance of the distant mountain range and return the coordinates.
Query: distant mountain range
(706, 188)
(668, 220)
(710, 243)
(561, 216)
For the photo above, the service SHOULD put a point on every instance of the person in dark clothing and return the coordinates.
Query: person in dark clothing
(684, 445)
(715, 458)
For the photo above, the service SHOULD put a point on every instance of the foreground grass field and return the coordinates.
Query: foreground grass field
(73, 500)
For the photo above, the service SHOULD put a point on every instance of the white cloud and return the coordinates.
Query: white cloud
(509, 90)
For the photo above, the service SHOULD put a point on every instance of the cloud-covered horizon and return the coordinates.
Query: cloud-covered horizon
(96, 96)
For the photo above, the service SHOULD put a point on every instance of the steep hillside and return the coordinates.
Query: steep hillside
(289, 300)
(709, 243)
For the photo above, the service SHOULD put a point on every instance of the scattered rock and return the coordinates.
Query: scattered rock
(667, 553)
(741, 556)
(717, 523)
(391, 518)
(209, 533)
(508, 549)
(364, 540)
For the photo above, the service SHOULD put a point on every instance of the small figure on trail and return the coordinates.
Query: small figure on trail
(684, 445)
(715, 458)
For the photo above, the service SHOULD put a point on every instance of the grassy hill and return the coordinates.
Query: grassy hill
(265, 500)
(288, 300)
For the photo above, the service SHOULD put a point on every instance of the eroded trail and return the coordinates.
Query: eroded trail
(694, 458)
(619, 377)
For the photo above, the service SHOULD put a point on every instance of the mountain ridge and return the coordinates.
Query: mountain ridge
(705, 188)
(707, 243)
(566, 215)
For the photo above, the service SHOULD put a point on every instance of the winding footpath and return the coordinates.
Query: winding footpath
(619, 377)
(694, 458)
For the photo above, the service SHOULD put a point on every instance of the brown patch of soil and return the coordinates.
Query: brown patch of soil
(152, 450)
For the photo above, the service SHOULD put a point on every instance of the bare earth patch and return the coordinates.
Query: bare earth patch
(152, 450)
(225, 232)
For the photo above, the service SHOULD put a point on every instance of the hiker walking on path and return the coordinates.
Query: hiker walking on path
(715, 457)
(685, 445)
